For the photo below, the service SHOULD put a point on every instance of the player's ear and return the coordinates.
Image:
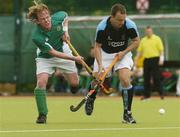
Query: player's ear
(112, 16)
(35, 21)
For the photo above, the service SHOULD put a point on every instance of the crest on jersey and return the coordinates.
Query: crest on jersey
(59, 28)
(46, 39)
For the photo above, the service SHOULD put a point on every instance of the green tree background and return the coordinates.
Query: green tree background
(94, 7)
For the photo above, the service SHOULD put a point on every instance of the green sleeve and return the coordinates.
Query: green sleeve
(43, 46)
(60, 16)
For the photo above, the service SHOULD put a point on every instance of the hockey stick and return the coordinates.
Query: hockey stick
(76, 108)
(89, 70)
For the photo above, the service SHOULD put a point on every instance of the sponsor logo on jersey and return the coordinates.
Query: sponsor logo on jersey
(116, 44)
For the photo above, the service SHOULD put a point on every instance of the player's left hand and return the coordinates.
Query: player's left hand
(66, 36)
(100, 74)
(120, 55)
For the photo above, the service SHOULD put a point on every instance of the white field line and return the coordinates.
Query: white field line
(86, 129)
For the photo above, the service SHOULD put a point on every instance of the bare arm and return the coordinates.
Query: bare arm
(134, 44)
(62, 55)
(98, 56)
(97, 53)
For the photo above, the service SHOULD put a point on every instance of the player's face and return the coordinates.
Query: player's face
(44, 19)
(149, 32)
(118, 20)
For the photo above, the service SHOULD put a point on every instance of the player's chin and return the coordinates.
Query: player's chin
(48, 26)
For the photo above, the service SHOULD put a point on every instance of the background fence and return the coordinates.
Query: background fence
(82, 32)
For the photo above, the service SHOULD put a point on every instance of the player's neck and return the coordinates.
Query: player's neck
(44, 29)
(150, 36)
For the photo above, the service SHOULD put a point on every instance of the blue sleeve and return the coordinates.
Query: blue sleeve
(99, 31)
(132, 29)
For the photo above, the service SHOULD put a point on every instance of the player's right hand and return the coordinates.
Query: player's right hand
(101, 70)
(120, 55)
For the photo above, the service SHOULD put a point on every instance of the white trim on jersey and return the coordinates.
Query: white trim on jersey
(48, 45)
(65, 28)
(38, 51)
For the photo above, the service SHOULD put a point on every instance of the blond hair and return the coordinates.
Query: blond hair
(35, 9)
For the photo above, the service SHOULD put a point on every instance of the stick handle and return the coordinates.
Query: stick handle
(72, 48)
(89, 70)
(109, 68)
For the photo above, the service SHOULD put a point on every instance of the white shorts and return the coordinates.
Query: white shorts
(44, 65)
(125, 62)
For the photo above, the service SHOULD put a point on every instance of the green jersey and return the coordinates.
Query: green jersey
(46, 40)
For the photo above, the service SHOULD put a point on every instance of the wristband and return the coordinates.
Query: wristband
(65, 28)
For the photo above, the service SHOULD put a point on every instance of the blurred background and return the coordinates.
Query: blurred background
(18, 53)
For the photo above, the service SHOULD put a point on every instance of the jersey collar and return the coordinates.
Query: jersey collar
(110, 25)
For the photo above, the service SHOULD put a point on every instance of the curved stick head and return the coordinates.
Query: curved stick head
(72, 108)
(76, 108)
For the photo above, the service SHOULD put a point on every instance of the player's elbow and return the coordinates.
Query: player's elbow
(53, 53)
(98, 45)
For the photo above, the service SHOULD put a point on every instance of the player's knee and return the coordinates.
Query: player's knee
(41, 83)
(74, 86)
(74, 83)
(125, 82)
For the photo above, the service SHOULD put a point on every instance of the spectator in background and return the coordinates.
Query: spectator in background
(137, 75)
(151, 48)
(138, 66)
(90, 59)
(178, 84)
(85, 78)
(59, 82)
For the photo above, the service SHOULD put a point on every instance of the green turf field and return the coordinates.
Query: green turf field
(18, 114)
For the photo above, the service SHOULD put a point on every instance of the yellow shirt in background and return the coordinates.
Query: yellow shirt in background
(140, 61)
(150, 47)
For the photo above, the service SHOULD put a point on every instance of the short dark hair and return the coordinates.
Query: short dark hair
(118, 8)
(148, 27)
